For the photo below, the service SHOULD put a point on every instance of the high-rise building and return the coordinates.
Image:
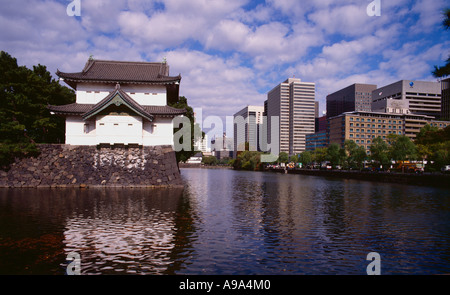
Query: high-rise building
(356, 97)
(445, 99)
(246, 128)
(293, 103)
(406, 96)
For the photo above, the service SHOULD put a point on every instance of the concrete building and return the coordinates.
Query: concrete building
(222, 147)
(406, 96)
(363, 127)
(201, 145)
(246, 128)
(120, 103)
(293, 103)
(356, 97)
(445, 99)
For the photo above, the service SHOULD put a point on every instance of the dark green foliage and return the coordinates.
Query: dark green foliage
(182, 103)
(24, 117)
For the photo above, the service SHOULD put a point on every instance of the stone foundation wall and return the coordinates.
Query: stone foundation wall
(83, 166)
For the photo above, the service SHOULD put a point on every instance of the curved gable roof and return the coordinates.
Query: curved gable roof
(118, 97)
(121, 72)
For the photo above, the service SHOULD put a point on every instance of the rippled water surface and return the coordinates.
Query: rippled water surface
(228, 222)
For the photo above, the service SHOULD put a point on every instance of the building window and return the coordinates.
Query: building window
(86, 128)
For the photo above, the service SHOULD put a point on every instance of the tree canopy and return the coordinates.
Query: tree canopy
(443, 71)
(24, 117)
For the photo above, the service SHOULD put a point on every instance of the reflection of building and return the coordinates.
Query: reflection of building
(445, 96)
(405, 96)
(246, 128)
(293, 102)
(123, 232)
(356, 97)
(363, 127)
(120, 103)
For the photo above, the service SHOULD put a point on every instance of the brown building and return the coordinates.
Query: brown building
(363, 127)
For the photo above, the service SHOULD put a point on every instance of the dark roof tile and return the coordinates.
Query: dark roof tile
(122, 72)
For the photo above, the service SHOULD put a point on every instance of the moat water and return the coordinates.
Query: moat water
(228, 222)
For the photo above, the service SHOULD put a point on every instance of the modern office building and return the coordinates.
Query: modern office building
(363, 127)
(356, 97)
(246, 128)
(445, 99)
(316, 140)
(293, 103)
(321, 123)
(406, 96)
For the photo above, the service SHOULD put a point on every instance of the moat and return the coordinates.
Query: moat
(228, 222)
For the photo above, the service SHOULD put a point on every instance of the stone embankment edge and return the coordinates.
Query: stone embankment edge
(65, 166)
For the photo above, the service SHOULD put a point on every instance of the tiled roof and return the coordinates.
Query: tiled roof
(125, 98)
(88, 110)
(121, 72)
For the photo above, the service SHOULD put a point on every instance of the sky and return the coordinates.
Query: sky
(230, 53)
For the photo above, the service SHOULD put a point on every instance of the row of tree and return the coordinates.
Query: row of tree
(432, 144)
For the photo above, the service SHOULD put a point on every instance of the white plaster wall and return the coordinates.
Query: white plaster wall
(158, 132)
(75, 131)
(92, 93)
(119, 129)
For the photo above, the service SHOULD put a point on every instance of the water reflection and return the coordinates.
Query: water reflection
(228, 222)
(114, 230)
(275, 223)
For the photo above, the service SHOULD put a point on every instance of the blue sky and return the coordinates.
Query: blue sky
(230, 53)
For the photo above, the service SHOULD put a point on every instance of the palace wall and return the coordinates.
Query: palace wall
(92, 93)
(84, 166)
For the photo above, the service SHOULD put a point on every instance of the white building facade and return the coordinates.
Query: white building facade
(293, 103)
(120, 103)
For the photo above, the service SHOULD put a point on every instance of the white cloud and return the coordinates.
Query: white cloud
(217, 85)
(230, 56)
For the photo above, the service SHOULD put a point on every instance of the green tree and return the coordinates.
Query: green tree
(209, 160)
(355, 154)
(182, 103)
(248, 160)
(24, 117)
(379, 152)
(445, 69)
(320, 155)
(306, 158)
(294, 159)
(335, 154)
(432, 144)
(401, 148)
(283, 157)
